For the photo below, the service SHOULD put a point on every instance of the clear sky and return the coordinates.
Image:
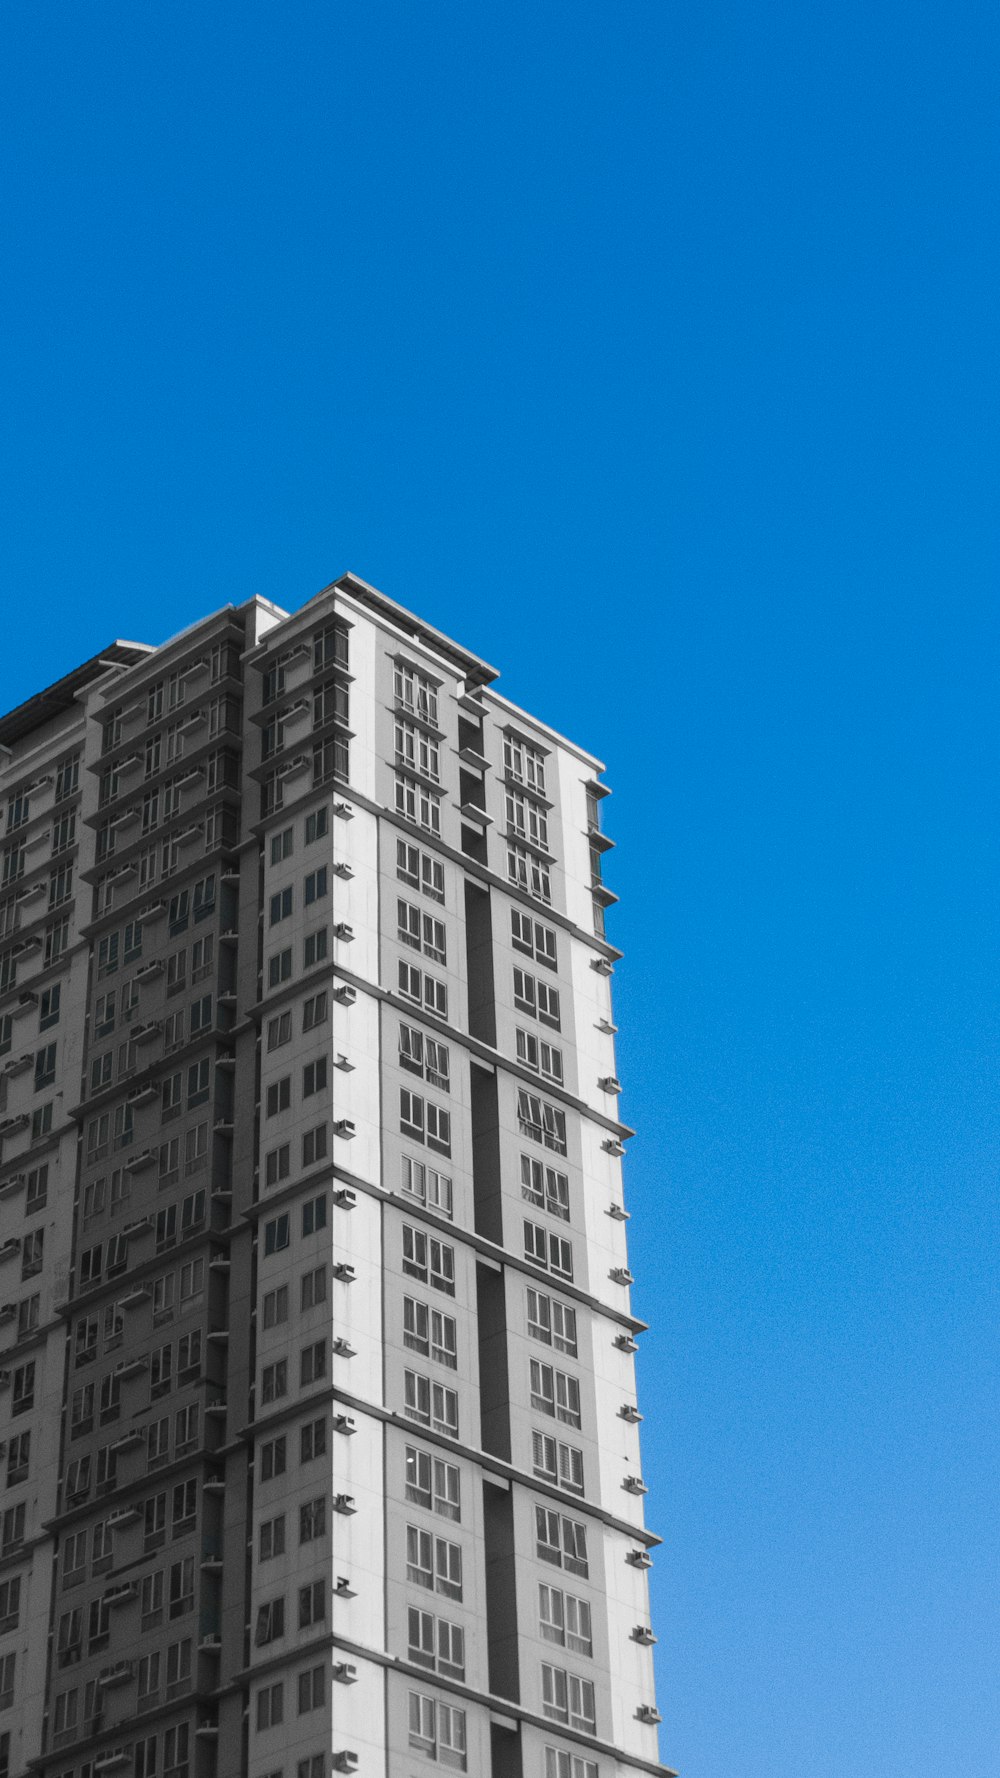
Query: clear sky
(651, 349)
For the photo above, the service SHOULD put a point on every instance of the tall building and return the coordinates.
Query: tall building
(320, 1444)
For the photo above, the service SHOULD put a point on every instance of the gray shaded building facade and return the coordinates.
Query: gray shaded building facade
(319, 1444)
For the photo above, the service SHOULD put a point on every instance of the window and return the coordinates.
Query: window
(311, 1689)
(561, 1764)
(271, 1538)
(176, 1744)
(275, 1306)
(316, 885)
(539, 1119)
(430, 1260)
(313, 1288)
(184, 1506)
(330, 759)
(312, 1604)
(554, 1392)
(549, 1251)
(545, 1187)
(270, 1622)
(435, 1643)
(536, 996)
(279, 1096)
(274, 1382)
(315, 948)
(568, 1698)
(438, 1730)
(312, 1363)
(23, 1393)
(524, 763)
(314, 1011)
(279, 1031)
(312, 1440)
(552, 1322)
(533, 1052)
(277, 1166)
(280, 905)
(314, 1077)
(561, 1541)
(36, 1195)
(41, 1121)
(276, 1234)
(417, 750)
(430, 1403)
(10, 1603)
(427, 1186)
(317, 825)
(270, 1706)
(281, 845)
(433, 1562)
(312, 1519)
(279, 967)
(415, 692)
(423, 989)
(425, 1056)
(556, 1462)
(314, 1146)
(12, 1536)
(416, 802)
(272, 1458)
(49, 1007)
(178, 1668)
(527, 819)
(32, 1248)
(314, 1215)
(330, 647)
(430, 1332)
(433, 1483)
(420, 870)
(534, 939)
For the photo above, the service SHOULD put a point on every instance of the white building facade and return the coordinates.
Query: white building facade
(318, 1397)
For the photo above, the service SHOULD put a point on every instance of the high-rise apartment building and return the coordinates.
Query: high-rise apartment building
(320, 1444)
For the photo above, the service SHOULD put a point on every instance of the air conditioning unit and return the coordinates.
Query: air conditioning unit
(343, 931)
(626, 1343)
(602, 965)
(345, 1761)
(345, 1672)
(345, 1423)
(344, 1127)
(609, 1083)
(343, 1271)
(4, 1379)
(630, 1413)
(10, 1247)
(121, 1594)
(8, 1311)
(343, 1588)
(345, 1066)
(621, 1275)
(648, 1713)
(613, 1146)
(618, 1212)
(343, 869)
(345, 994)
(639, 1559)
(345, 1198)
(118, 1674)
(642, 1633)
(343, 811)
(634, 1484)
(343, 1348)
(344, 1503)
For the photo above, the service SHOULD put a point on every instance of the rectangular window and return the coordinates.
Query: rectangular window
(317, 825)
(271, 1538)
(270, 1706)
(281, 845)
(544, 1122)
(279, 1096)
(423, 989)
(277, 1166)
(534, 939)
(427, 1186)
(274, 1382)
(312, 1520)
(279, 1031)
(315, 948)
(561, 1541)
(545, 1187)
(279, 968)
(272, 1458)
(280, 905)
(314, 1011)
(552, 1322)
(524, 763)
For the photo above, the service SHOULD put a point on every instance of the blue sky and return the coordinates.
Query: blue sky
(652, 350)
